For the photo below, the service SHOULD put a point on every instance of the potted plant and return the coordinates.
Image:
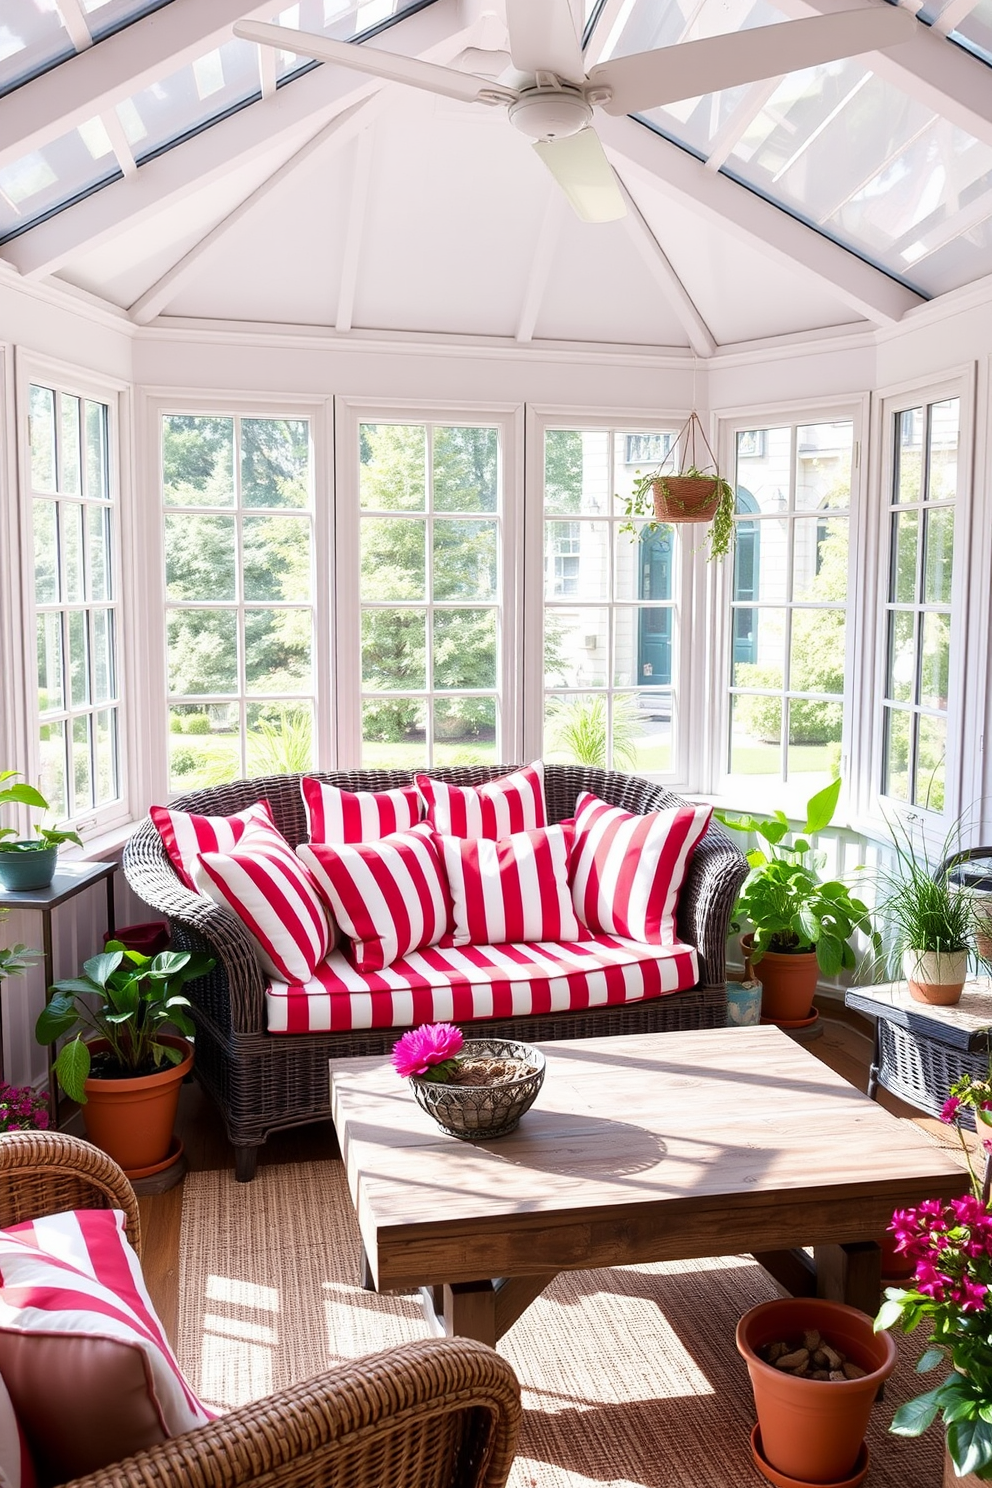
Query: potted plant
(930, 922)
(474, 1090)
(127, 1078)
(950, 1246)
(690, 493)
(25, 863)
(802, 925)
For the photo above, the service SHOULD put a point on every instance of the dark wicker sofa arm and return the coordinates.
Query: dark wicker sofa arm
(438, 1413)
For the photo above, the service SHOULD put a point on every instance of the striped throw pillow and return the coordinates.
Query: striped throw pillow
(512, 890)
(335, 815)
(390, 897)
(627, 870)
(185, 835)
(512, 803)
(264, 883)
(84, 1357)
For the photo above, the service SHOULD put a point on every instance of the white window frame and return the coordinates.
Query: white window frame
(965, 710)
(541, 418)
(765, 794)
(349, 414)
(31, 368)
(149, 564)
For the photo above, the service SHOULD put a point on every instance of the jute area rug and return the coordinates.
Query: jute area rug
(630, 1376)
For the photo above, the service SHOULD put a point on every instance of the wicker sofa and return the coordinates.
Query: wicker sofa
(264, 1083)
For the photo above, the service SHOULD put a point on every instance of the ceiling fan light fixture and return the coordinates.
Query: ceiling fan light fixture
(552, 113)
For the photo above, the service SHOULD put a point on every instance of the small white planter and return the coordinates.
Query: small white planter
(936, 977)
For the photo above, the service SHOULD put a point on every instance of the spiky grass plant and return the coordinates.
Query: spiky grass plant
(920, 907)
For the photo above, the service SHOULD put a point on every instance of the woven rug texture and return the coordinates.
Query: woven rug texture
(630, 1375)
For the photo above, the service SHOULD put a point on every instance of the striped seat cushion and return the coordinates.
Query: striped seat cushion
(511, 803)
(460, 983)
(185, 835)
(335, 815)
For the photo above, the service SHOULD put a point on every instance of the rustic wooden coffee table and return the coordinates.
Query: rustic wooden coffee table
(650, 1148)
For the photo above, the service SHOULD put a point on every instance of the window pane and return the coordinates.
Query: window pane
(755, 735)
(277, 560)
(898, 729)
(930, 763)
(934, 667)
(105, 742)
(645, 563)
(198, 460)
(53, 775)
(79, 672)
(96, 451)
(104, 686)
(577, 560)
(465, 731)
(943, 474)
(280, 738)
(278, 644)
(820, 559)
(275, 462)
(815, 739)
(576, 729)
(98, 552)
(204, 745)
(464, 649)
(82, 777)
(465, 469)
(393, 472)
(71, 467)
(182, 101)
(71, 514)
(909, 455)
(464, 559)
(50, 698)
(939, 539)
(823, 466)
(768, 647)
(576, 647)
(46, 557)
(394, 562)
(42, 428)
(203, 651)
(576, 471)
(642, 731)
(901, 684)
(764, 479)
(905, 545)
(394, 650)
(643, 642)
(199, 557)
(817, 660)
(394, 733)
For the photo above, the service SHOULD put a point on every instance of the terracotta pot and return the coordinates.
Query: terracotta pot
(788, 982)
(935, 977)
(896, 1268)
(132, 1119)
(812, 1430)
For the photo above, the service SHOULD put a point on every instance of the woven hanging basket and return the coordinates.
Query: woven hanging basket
(685, 498)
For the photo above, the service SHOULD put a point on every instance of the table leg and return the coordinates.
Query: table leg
(876, 1062)
(49, 955)
(470, 1311)
(111, 908)
(851, 1274)
(483, 1310)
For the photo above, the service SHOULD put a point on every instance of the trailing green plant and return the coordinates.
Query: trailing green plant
(791, 909)
(577, 729)
(27, 795)
(640, 504)
(920, 907)
(128, 999)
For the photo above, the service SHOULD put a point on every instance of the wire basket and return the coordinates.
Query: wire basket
(477, 1113)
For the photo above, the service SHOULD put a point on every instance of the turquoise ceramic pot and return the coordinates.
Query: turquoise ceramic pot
(23, 871)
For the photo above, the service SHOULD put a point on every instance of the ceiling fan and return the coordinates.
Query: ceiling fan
(550, 98)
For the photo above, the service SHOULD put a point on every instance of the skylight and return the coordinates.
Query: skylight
(34, 36)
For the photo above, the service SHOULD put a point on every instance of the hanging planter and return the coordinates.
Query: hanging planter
(692, 490)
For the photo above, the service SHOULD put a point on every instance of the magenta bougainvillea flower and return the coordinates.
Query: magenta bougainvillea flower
(22, 1109)
(425, 1051)
(950, 1108)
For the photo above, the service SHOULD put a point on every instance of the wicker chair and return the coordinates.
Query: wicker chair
(439, 1413)
(263, 1083)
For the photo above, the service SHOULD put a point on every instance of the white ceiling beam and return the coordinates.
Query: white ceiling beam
(676, 296)
(928, 67)
(122, 145)
(332, 137)
(541, 259)
(952, 15)
(750, 106)
(75, 22)
(355, 230)
(288, 118)
(732, 208)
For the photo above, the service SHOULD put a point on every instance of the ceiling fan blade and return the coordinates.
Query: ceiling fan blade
(543, 39)
(388, 65)
(694, 68)
(579, 165)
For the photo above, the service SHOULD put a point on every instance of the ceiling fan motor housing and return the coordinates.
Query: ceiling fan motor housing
(550, 113)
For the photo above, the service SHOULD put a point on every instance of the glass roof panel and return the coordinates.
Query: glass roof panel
(32, 39)
(962, 260)
(103, 17)
(341, 19)
(975, 31)
(54, 175)
(206, 89)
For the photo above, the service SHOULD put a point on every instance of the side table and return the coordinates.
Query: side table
(70, 879)
(921, 1050)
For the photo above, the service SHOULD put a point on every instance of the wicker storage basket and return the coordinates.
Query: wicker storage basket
(476, 1113)
(685, 498)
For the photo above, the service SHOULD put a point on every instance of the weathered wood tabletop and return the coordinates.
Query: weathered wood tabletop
(654, 1147)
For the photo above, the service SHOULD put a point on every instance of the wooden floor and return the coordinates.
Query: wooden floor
(845, 1046)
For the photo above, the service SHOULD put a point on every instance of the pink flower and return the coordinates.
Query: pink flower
(971, 1295)
(419, 1048)
(950, 1108)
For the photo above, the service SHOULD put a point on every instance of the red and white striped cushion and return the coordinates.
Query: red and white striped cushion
(512, 803)
(83, 1354)
(268, 888)
(461, 983)
(185, 835)
(16, 1465)
(513, 889)
(627, 870)
(335, 815)
(390, 897)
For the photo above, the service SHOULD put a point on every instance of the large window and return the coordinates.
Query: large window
(76, 598)
(918, 630)
(789, 602)
(610, 606)
(238, 512)
(431, 545)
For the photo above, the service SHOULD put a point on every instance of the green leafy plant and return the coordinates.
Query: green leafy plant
(15, 959)
(26, 795)
(577, 730)
(640, 504)
(128, 999)
(790, 908)
(920, 907)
